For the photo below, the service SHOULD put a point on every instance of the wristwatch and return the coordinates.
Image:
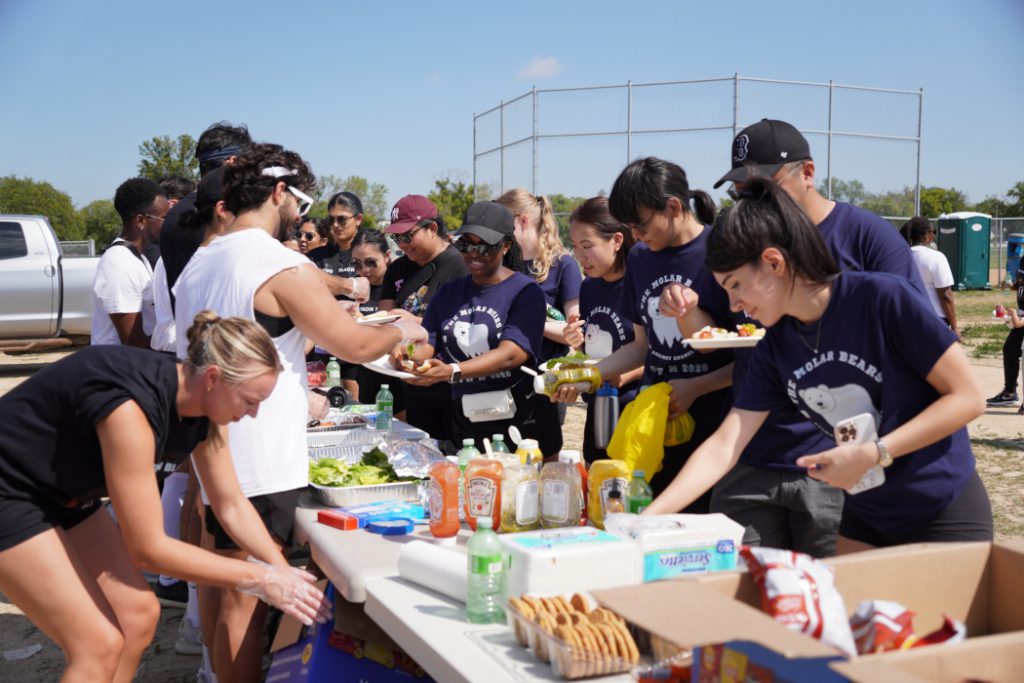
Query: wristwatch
(457, 373)
(884, 458)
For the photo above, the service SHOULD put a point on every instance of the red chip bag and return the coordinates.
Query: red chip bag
(951, 631)
(880, 626)
(798, 591)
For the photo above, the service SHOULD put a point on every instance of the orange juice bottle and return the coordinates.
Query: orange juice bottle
(483, 491)
(444, 499)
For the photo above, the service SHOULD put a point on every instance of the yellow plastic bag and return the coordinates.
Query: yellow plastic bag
(679, 430)
(640, 435)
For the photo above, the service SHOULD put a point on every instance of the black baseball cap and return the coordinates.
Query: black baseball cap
(211, 188)
(764, 148)
(490, 221)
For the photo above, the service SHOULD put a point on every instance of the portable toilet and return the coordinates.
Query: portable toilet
(1014, 252)
(964, 239)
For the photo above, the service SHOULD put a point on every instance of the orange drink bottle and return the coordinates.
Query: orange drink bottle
(483, 491)
(444, 499)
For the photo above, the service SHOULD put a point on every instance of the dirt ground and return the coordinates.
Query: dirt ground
(997, 436)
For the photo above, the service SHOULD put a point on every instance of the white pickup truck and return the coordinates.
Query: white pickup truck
(42, 292)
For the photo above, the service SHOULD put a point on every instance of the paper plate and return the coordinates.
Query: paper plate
(378, 321)
(383, 366)
(723, 342)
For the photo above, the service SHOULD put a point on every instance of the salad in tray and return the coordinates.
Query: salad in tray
(374, 468)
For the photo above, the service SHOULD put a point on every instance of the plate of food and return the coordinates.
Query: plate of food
(746, 335)
(378, 318)
(383, 366)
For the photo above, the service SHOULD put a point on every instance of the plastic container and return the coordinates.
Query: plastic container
(483, 492)
(385, 409)
(520, 498)
(639, 494)
(498, 444)
(333, 373)
(444, 499)
(486, 580)
(549, 382)
(603, 475)
(529, 452)
(560, 493)
(576, 458)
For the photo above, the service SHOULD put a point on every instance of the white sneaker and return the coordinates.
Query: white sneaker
(190, 639)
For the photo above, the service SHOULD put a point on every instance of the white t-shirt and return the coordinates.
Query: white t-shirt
(935, 273)
(123, 284)
(269, 451)
(163, 335)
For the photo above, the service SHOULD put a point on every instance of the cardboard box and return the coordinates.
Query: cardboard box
(351, 647)
(981, 584)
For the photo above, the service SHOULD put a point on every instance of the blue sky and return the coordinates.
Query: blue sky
(387, 90)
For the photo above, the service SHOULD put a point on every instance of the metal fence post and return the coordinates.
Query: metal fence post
(629, 122)
(474, 156)
(735, 104)
(917, 180)
(828, 162)
(501, 142)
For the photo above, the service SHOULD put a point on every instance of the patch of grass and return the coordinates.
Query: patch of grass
(1001, 467)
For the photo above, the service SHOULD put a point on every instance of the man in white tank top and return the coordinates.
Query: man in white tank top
(247, 272)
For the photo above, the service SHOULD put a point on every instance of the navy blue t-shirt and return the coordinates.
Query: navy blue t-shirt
(875, 327)
(465, 320)
(647, 273)
(561, 286)
(858, 241)
(607, 327)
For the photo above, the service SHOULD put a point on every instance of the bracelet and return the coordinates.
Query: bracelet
(884, 457)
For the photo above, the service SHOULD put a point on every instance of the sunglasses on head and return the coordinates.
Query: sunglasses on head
(477, 249)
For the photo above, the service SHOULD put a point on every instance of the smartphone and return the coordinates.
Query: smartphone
(857, 430)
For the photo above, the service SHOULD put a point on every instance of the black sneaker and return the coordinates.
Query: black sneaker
(1004, 398)
(175, 595)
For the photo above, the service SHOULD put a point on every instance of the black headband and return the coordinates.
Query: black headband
(220, 153)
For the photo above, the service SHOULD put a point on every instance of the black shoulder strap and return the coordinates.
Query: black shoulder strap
(127, 245)
(414, 282)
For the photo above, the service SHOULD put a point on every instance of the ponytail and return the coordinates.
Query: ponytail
(650, 182)
(540, 211)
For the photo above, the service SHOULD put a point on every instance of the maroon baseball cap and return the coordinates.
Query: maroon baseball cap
(410, 210)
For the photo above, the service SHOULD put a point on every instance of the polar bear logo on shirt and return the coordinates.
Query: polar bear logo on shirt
(471, 338)
(838, 403)
(597, 342)
(665, 329)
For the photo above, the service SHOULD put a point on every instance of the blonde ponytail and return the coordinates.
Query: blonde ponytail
(549, 243)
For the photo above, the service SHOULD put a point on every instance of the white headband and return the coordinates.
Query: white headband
(278, 172)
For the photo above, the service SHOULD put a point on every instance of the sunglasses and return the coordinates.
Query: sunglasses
(339, 220)
(305, 201)
(406, 237)
(308, 236)
(368, 263)
(477, 249)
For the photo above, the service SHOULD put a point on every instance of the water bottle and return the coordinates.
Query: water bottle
(385, 408)
(333, 373)
(486, 588)
(606, 414)
(498, 444)
(639, 495)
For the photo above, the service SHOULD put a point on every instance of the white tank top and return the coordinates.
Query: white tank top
(269, 451)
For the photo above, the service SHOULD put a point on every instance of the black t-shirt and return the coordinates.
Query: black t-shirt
(411, 285)
(330, 259)
(370, 306)
(177, 244)
(48, 443)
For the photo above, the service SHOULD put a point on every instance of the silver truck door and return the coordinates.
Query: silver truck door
(29, 281)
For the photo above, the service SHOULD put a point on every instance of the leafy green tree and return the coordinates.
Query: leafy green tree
(24, 195)
(849, 191)
(453, 197)
(101, 222)
(890, 203)
(1017, 193)
(163, 156)
(936, 201)
(993, 206)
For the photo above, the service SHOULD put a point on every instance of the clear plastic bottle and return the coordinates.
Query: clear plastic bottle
(466, 453)
(498, 444)
(486, 577)
(333, 373)
(520, 498)
(385, 408)
(576, 458)
(560, 493)
(639, 495)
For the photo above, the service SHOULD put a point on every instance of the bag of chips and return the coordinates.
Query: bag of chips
(799, 592)
(880, 626)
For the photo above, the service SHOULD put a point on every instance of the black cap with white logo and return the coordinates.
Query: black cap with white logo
(764, 148)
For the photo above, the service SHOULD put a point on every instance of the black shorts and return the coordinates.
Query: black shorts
(277, 510)
(24, 515)
(967, 518)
